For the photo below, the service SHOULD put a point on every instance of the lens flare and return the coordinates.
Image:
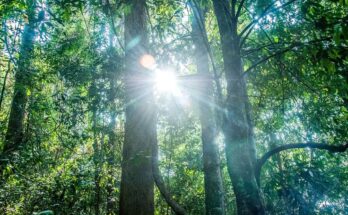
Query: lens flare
(147, 61)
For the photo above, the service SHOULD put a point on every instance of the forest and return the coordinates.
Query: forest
(173, 107)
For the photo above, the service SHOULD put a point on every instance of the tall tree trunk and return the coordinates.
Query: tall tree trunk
(214, 195)
(15, 129)
(237, 127)
(137, 183)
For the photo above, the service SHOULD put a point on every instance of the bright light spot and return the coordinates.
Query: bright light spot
(147, 61)
(166, 82)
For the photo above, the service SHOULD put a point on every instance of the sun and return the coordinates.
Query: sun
(166, 82)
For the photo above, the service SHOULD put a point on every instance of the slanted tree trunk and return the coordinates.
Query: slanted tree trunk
(137, 183)
(237, 127)
(23, 77)
(178, 210)
(214, 195)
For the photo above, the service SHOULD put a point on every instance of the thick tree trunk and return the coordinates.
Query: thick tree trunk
(15, 129)
(236, 122)
(214, 195)
(137, 184)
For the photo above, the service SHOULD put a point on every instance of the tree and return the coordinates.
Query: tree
(240, 149)
(214, 194)
(237, 122)
(23, 77)
(137, 185)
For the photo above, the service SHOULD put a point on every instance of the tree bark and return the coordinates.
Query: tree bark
(23, 76)
(214, 194)
(237, 126)
(137, 184)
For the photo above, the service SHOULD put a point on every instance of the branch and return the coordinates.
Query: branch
(4, 83)
(251, 51)
(7, 46)
(324, 146)
(240, 6)
(267, 11)
(228, 10)
(160, 183)
(267, 58)
(200, 20)
(11, 59)
(289, 48)
(263, 14)
(245, 37)
(49, 11)
(233, 9)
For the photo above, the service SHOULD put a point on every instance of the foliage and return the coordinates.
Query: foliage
(296, 63)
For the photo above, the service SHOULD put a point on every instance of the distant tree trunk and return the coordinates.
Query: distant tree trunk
(110, 205)
(237, 120)
(97, 165)
(137, 183)
(9, 67)
(15, 129)
(214, 195)
(96, 155)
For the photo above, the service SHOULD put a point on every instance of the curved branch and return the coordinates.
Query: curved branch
(160, 183)
(324, 146)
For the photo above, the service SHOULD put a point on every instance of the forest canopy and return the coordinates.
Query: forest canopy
(144, 107)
